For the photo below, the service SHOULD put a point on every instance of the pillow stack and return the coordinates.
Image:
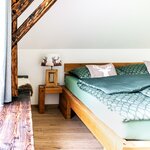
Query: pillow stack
(96, 71)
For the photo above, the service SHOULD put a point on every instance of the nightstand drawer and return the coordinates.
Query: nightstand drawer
(53, 90)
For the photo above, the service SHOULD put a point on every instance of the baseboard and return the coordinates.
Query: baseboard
(47, 105)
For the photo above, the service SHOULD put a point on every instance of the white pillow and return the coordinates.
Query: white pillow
(101, 70)
(147, 63)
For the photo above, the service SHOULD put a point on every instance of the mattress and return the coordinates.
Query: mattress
(138, 130)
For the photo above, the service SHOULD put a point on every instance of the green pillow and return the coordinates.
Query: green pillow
(132, 69)
(119, 71)
(81, 72)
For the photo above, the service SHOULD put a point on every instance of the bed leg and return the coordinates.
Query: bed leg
(64, 106)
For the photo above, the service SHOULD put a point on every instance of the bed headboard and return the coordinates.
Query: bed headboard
(70, 66)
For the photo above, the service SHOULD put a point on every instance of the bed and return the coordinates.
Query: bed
(72, 101)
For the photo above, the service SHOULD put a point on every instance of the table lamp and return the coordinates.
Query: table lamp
(51, 75)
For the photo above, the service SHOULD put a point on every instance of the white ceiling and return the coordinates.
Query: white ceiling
(89, 24)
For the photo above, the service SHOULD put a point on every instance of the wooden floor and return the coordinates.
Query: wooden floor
(16, 132)
(52, 132)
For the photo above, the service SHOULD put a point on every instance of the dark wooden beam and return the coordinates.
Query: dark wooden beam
(14, 67)
(31, 20)
(19, 7)
(13, 1)
(14, 60)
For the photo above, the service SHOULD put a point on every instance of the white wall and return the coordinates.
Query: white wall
(89, 24)
(29, 62)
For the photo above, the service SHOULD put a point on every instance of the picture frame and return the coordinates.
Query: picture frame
(51, 78)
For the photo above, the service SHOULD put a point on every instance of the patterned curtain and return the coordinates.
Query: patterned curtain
(5, 51)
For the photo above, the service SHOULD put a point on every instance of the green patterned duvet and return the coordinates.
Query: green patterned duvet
(130, 106)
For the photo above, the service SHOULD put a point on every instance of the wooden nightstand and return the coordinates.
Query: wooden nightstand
(46, 90)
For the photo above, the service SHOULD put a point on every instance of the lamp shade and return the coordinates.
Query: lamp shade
(51, 60)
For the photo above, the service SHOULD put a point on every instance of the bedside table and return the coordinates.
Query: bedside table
(46, 90)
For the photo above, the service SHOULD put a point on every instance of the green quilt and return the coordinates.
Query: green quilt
(120, 83)
(130, 106)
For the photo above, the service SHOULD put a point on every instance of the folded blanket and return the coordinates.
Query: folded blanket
(119, 84)
(130, 106)
(24, 85)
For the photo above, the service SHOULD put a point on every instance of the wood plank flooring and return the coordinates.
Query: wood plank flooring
(16, 131)
(52, 132)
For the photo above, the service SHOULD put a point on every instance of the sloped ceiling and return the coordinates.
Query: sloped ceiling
(73, 24)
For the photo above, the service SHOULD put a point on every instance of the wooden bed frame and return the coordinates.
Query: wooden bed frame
(108, 138)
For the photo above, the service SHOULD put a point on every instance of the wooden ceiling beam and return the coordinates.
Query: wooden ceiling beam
(13, 1)
(19, 7)
(31, 20)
